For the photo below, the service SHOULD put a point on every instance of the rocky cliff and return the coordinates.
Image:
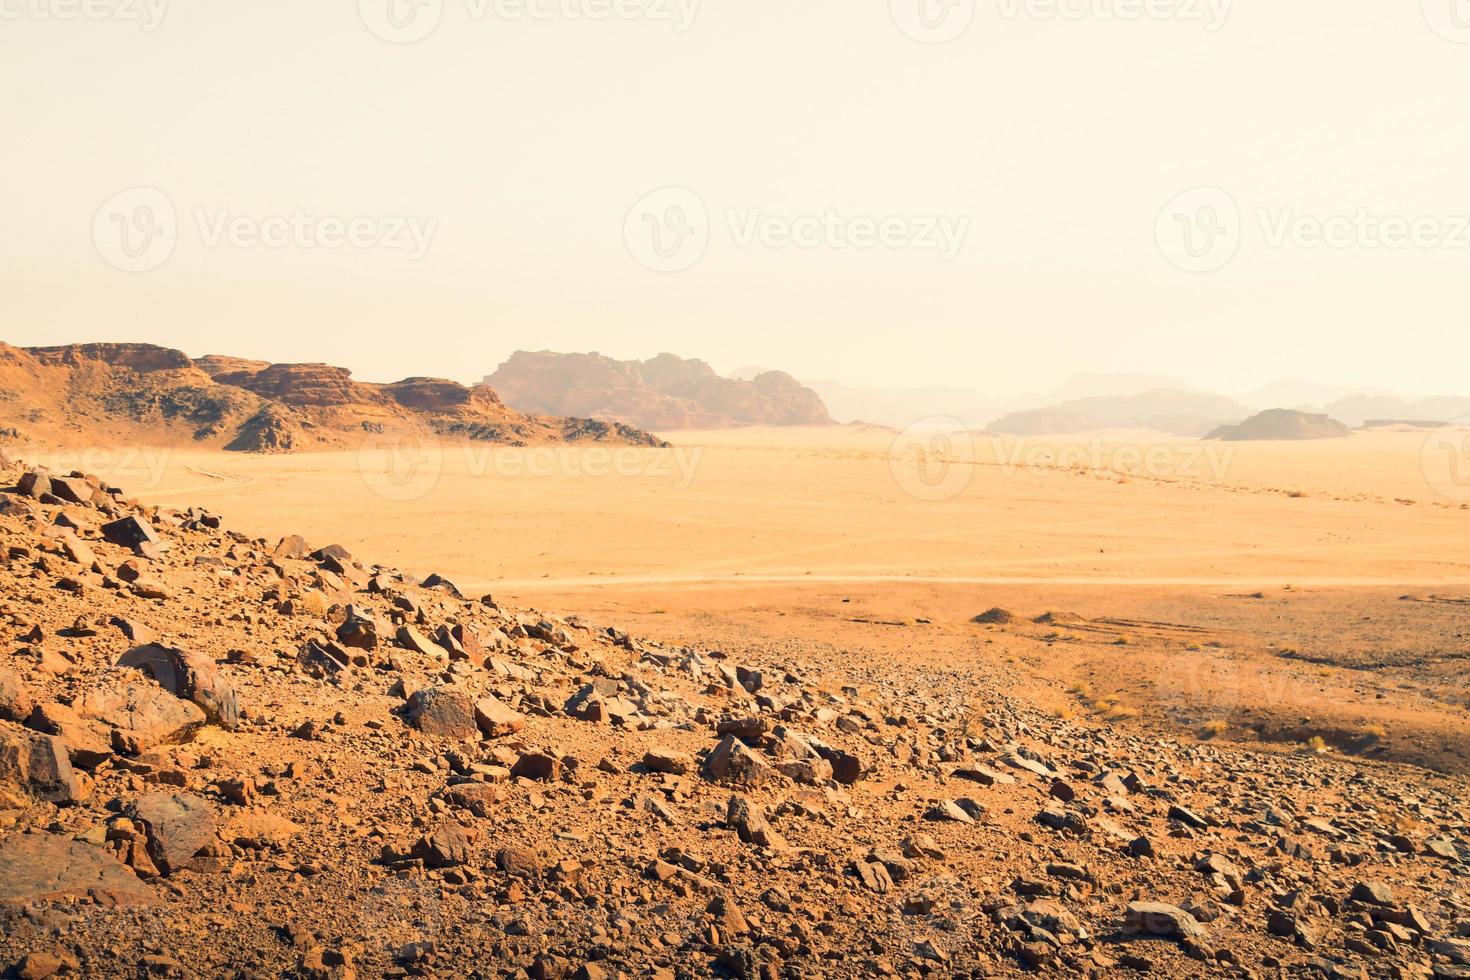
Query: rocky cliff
(143, 393)
(665, 392)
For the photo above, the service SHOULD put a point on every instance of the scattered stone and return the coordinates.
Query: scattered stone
(495, 719)
(669, 761)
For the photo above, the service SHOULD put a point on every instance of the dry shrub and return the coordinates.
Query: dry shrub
(1213, 729)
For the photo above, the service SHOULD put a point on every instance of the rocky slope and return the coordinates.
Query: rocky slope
(225, 756)
(665, 392)
(1281, 423)
(142, 393)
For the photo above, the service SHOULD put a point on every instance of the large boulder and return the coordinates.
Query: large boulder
(448, 845)
(1156, 919)
(443, 711)
(179, 826)
(139, 713)
(732, 762)
(361, 630)
(73, 489)
(88, 741)
(49, 867)
(189, 675)
(16, 701)
(130, 532)
(38, 764)
(34, 484)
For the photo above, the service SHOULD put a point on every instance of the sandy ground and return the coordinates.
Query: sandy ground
(839, 505)
(1255, 586)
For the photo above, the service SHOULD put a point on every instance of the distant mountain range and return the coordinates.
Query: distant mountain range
(663, 393)
(153, 395)
(1181, 413)
(1091, 401)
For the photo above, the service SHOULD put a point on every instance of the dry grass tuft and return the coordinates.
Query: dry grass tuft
(1213, 729)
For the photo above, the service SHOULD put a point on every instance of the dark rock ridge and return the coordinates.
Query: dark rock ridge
(665, 392)
(155, 395)
(1281, 423)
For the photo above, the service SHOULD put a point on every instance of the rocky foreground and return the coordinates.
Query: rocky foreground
(225, 756)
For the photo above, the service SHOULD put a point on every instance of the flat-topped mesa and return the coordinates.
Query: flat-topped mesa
(664, 392)
(1281, 424)
(304, 385)
(215, 365)
(439, 395)
(142, 358)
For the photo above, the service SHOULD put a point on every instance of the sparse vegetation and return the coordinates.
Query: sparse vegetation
(1213, 729)
(314, 604)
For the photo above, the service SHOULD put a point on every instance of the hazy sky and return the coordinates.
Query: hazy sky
(852, 198)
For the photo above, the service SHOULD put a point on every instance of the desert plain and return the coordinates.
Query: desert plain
(1285, 589)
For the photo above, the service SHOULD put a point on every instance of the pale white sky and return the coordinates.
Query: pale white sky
(519, 145)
